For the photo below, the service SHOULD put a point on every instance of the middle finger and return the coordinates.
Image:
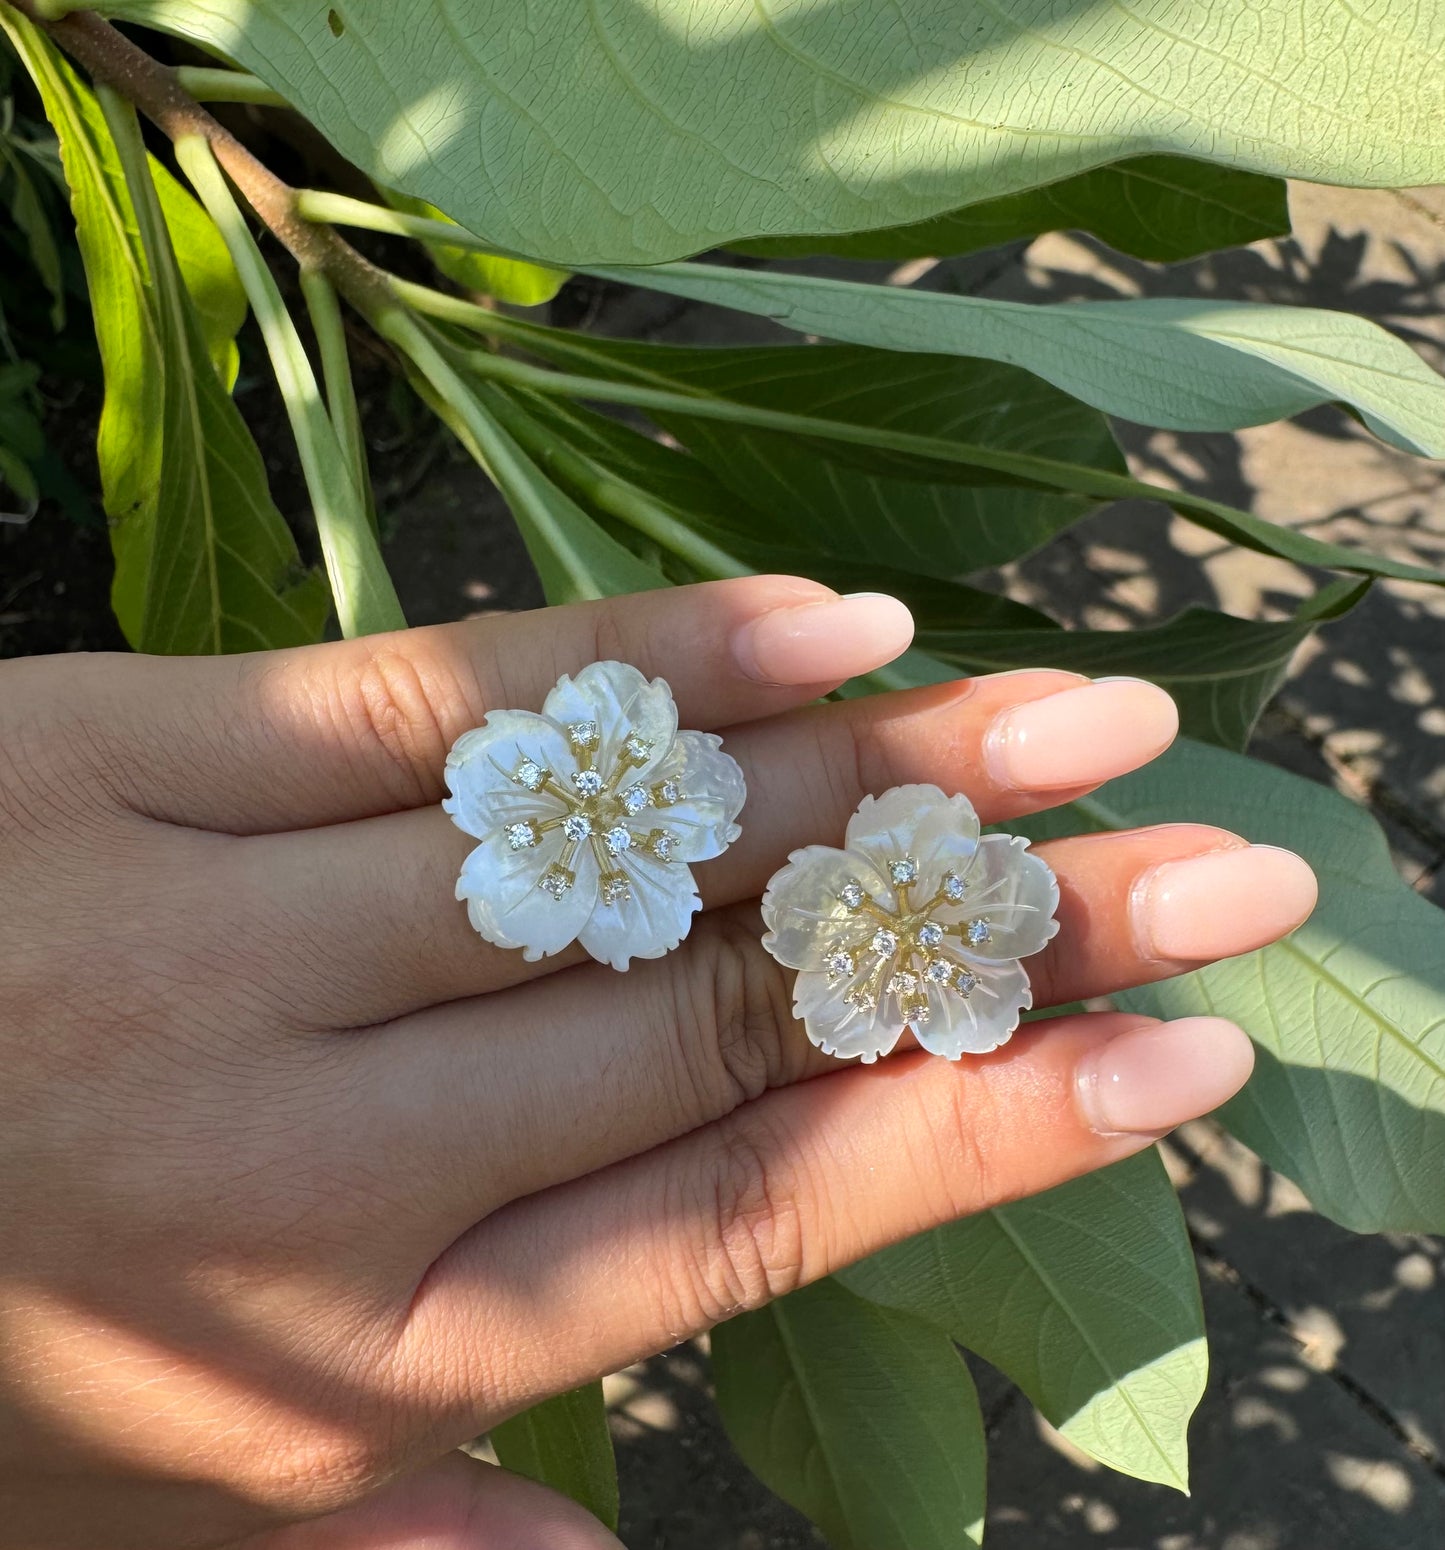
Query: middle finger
(370, 929)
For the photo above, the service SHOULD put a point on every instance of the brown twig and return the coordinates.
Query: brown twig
(113, 60)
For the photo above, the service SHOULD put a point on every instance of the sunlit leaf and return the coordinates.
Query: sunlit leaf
(508, 279)
(1086, 1296)
(629, 132)
(564, 1443)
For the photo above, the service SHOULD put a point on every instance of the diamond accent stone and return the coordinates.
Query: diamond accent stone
(582, 734)
(634, 799)
(616, 888)
(884, 943)
(637, 749)
(662, 844)
(521, 836)
(953, 887)
(577, 827)
(930, 934)
(667, 793)
(978, 933)
(839, 965)
(965, 982)
(862, 998)
(556, 880)
(938, 972)
(850, 895)
(617, 840)
(588, 783)
(530, 774)
(903, 872)
(903, 984)
(917, 1012)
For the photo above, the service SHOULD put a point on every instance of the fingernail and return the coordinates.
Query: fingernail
(1081, 736)
(825, 642)
(1220, 904)
(1151, 1079)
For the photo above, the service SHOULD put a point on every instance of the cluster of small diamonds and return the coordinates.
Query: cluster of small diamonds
(598, 808)
(905, 951)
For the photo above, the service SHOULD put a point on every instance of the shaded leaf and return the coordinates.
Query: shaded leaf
(629, 133)
(564, 1443)
(862, 1417)
(1161, 208)
(1173, 362)
(1221, 670)
(1086, 1296)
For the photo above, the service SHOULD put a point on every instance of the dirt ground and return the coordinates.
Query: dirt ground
(1324, 1424)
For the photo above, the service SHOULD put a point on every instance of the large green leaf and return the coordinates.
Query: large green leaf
(206, 268)
(825, 497)
(629, 131)
(1348, 1094)
(1221, 670)
(564, 1442)
(1173, 362)
(204, 561)
(1163, 208)
(861, 1416)
(905, 453)
(1086, 1296)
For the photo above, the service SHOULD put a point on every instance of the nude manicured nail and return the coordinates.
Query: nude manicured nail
(1220, 904)
(1149, 1080)
(824, 642)
(1081, 736)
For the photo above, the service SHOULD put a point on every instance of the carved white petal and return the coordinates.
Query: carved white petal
(982, 1020)
(652, 922)
(507, 906)
(481, 763)
(940, 832)
(620, 700)
(712, 785)
(1016, 893)
(840, 1029)
(805, 917)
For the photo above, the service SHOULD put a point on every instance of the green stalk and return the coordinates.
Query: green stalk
(322, 208)
(207, 85)
(366, 600)
(325, 313)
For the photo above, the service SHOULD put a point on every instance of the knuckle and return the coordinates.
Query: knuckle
(750, 1248)
(733, 1020)
(967, 1169)
(314, 1468)
(397, 704)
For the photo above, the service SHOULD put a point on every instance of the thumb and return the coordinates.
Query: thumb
(457, 1503)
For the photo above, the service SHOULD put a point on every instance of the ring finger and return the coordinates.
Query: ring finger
(372, 900)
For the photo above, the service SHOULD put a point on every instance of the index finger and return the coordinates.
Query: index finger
(323, 734)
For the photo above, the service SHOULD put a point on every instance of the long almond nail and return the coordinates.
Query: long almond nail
(1220, 904)
(1149, 1080)
(1081, 736)
(824, 642)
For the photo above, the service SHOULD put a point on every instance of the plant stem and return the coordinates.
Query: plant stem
(330, 332)
(207, 85)
(366, 600)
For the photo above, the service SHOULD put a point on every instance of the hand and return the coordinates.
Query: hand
(302, 1184)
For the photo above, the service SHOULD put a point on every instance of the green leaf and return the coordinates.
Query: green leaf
(1086, 1296)
(824, 496)
(636, 132)
(1173, 362)
(508, 279)
(204, 561)
(564, 1443)
(862, 1417)
(936, 458)
(1221, 670)
(1348, 1094)
(28, 214)
(206, 268)
(1162, 208)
